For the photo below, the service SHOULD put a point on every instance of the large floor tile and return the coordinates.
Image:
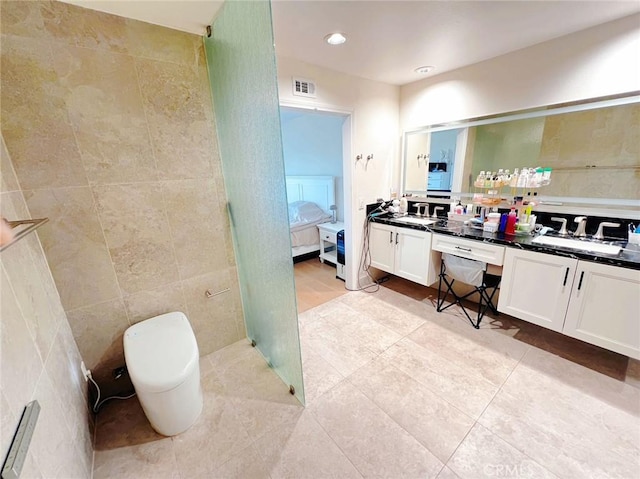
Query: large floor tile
(243, 465)
(434, 422)
(319, 376)
(373, 335)
(454, 382)
(344, 352)
(301, 448)
(216, 436)
(258, 396)
(396, 319)
(571, 430)
(484, 455)
(447, 473)
(373, 442)
(153, 460)
(492, 356)
(121, 424)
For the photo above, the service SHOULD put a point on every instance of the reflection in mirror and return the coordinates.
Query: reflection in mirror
(430, 160)
(592, 148)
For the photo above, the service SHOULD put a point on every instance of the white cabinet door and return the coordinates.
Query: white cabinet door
(604, 308)
(382, 246)
(536, 287)
(413, 252)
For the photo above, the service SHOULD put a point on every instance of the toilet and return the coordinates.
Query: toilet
(163, 363)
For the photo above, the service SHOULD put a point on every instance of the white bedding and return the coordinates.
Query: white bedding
(304, 216)
(306, 236)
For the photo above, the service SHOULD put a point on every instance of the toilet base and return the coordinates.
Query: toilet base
(173, 412)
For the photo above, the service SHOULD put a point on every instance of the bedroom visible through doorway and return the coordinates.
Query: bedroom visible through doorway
(313, 145)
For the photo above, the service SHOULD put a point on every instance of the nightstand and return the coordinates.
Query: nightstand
(329, 241)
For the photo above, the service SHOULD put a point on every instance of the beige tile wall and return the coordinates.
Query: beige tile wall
(110, 126)
(38, 356)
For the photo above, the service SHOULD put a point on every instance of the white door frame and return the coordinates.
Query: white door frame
(347, 193)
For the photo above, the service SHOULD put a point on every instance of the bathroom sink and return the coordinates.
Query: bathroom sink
(414, 220)
(588, 246)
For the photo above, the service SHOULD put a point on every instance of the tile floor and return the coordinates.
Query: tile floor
(396, 390)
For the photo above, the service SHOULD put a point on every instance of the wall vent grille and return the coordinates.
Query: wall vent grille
(302, 87)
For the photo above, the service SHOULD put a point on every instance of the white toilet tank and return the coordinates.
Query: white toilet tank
(163, 362)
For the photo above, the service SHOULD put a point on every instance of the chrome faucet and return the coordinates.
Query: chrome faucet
(563, 228)
(582, 224)
(435, 211)
(600, 233)
(417, 206)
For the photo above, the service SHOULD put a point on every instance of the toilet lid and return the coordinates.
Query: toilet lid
(160, 352)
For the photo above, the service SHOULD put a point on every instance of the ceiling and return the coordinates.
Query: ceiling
(387, 40)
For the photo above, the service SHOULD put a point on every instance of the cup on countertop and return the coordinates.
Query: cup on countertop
(634, 238)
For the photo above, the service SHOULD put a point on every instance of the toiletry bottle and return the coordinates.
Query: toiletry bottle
(511, 222)
(537, 181)
(403, 206)
(513, 181)
(459, 208)
(503, 223)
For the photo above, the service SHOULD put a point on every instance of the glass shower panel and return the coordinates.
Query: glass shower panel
(242, 71)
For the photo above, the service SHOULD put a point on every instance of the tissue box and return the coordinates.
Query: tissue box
(490, 227)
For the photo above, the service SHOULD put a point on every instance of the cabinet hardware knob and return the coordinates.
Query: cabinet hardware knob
(566, 275)
(580, 282)
(468, 250)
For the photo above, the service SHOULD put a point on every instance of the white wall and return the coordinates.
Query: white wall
(374, 130)
(312, 144)
(599, 61)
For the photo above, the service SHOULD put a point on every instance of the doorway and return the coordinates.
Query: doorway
(315, 144)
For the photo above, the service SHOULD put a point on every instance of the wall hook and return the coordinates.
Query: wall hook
(369, 158)
(358, 158)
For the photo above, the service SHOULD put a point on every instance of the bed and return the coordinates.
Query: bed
(310, 199)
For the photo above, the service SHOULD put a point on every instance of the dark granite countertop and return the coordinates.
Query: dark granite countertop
(629, 257)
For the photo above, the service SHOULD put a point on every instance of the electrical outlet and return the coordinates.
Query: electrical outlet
(360, 203)
(85, 371)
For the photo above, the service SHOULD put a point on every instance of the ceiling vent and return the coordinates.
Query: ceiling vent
(302, 87)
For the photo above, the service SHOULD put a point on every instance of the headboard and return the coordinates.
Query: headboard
(318, 189)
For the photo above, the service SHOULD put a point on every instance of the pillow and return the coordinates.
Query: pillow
(306, 212)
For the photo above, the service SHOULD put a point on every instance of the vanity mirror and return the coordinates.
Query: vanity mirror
(592, 147)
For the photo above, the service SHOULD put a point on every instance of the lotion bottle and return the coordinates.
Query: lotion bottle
(511, 222)
(403, 206)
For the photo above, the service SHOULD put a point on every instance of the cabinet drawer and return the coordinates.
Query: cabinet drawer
(329, 236)
(478, 250)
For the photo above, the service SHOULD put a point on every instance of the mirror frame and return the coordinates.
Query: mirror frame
(549, 110)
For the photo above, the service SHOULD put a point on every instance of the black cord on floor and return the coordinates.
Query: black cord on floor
(98, 404)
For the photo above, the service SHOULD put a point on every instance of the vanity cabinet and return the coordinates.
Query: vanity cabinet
(603, 309)
(536, 287)
(404, 252)
(593, 302)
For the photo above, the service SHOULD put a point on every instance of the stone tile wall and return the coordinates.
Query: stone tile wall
(110, 126)
(38, 357)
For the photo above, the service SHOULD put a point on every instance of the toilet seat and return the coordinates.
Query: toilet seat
(160, 352)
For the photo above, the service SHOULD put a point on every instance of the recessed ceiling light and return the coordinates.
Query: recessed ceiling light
(425, 69)
(335, 39)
